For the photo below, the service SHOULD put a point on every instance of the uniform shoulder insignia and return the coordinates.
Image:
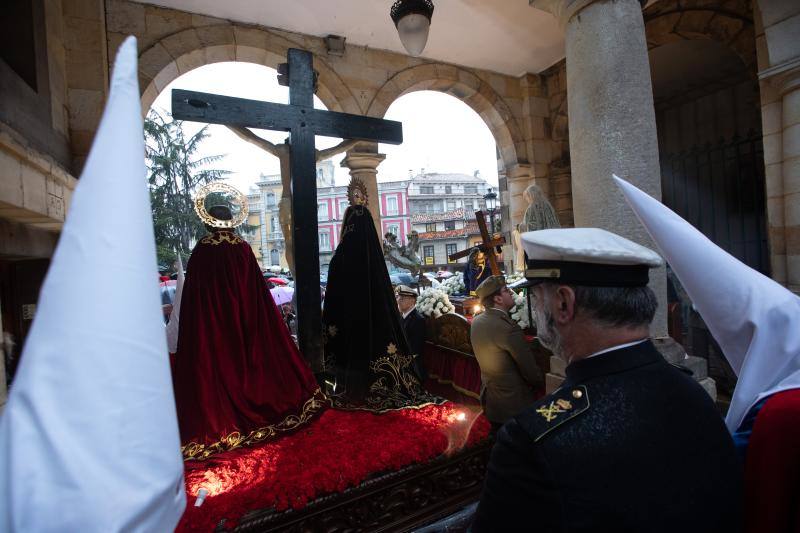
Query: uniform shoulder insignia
(556, 409)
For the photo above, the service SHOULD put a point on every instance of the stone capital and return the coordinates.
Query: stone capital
(362, 161)
(564, 10)
(785, 77)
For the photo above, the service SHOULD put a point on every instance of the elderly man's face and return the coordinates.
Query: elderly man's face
(405, 303)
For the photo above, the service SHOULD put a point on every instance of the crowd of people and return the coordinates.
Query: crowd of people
(628, 442)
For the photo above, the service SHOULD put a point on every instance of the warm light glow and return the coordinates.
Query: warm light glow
(461, 422)
(477, 309)
(212, 484)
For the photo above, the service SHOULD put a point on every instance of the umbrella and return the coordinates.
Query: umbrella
(277, 281)
(282, 295)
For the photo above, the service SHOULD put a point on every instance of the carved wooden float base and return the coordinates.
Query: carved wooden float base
(395, 501)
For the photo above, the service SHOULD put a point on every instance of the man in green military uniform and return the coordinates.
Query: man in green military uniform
(510, 378)
(629, 442)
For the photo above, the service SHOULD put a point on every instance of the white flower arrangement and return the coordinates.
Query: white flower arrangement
(519, 313)
(454, 284)
(275, 269)
(434, 302)
(513, 278)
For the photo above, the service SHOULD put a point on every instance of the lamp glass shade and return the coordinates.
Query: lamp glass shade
(491, 200)
(413, 30)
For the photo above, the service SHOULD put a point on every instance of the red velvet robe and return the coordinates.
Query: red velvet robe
(772, 466)
(238, 376)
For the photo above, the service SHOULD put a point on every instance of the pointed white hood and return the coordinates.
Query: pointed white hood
(174, 317)
(755, 320)
(89, 439)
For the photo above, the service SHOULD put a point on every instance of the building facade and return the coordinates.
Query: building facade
(439, 207)
(433, 192)
(442, 208)
(267, 238)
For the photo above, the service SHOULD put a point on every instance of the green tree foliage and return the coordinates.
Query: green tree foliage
(175, 172)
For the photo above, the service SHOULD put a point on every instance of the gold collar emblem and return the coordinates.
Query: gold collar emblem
(551, 411)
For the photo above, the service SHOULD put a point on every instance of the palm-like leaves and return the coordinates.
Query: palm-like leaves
(174, 173)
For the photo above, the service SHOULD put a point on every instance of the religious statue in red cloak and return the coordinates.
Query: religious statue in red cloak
(239, 378)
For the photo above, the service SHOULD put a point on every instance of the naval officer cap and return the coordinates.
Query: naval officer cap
(405, 290)
(586, 256)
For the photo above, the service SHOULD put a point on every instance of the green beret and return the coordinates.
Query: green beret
(490, 286)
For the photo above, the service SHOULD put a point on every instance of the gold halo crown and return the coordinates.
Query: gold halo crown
(217, 186)
(356, 185)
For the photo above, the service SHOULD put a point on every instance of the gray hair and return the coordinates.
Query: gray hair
(616, 306)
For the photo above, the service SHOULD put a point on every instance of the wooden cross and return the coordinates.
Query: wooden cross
(303, 122)
(487, 245)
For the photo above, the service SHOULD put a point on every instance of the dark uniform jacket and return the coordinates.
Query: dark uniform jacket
(628, 443)
(414, 326)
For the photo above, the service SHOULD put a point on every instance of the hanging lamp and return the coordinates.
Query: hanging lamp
(412, 18)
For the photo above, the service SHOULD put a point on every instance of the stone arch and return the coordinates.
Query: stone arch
(178, 53)
(468, 88)
(667, 22)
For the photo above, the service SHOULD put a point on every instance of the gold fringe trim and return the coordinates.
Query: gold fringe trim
(462, 390)
(234, 440)
(344, 407)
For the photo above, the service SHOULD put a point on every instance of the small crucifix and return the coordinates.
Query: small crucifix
(303, 122)
(487, 245)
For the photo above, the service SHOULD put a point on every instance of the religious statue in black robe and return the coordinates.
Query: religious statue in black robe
(368, 363)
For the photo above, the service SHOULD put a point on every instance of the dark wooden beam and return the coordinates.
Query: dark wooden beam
(480, 218)
(230, 111)
(305, 229)
(487, 245)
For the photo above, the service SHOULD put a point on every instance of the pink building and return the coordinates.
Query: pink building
(394, 209)
(332, 203)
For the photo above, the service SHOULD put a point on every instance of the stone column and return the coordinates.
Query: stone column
(518, 178)
(87, 69)
(781, 125)
(363, 161)
(612, 124)
(777, 25)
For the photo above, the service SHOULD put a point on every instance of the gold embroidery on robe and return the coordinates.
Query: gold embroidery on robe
(397, 387)
(233, 440)
(218, 237)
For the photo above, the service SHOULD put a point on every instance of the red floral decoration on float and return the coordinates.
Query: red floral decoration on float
(338, 451)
